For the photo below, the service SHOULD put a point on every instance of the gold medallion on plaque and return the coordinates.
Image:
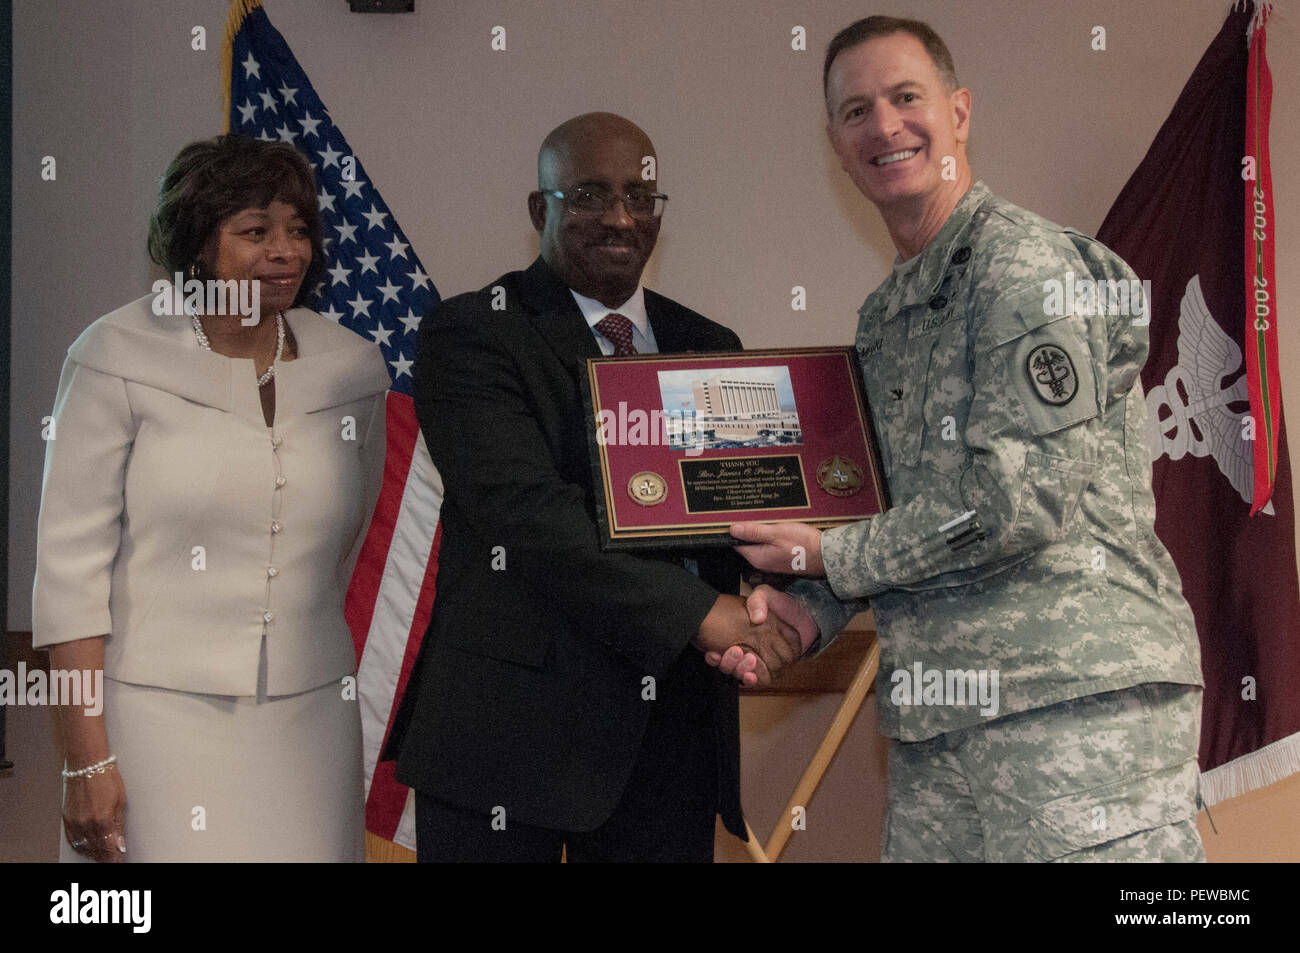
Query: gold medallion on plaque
(647, 488)
(839, 476)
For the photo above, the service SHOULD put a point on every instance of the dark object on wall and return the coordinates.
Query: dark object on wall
(382, 6)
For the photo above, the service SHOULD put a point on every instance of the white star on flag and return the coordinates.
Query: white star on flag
(329, 157)
(410, 321)
(360, 306)
(381, 334)
(401, 366)
(338, 273)
(418, 278)
(367, 262)
(309, 125)
(374, 217)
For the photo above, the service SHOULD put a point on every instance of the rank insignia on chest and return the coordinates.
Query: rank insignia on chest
(1052, 373)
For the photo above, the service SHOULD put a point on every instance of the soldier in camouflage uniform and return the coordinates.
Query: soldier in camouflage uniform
(1020, 551)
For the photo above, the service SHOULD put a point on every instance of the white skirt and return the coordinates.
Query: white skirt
(220, 778)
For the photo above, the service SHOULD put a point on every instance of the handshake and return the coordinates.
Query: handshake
(752, 638)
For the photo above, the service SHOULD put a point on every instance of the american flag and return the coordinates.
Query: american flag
(376, 286)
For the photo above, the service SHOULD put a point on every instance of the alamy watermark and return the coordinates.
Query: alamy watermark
(80, 687)
(652, 428)
(210, 296)
(954, 686)
(1127, 297)
(132, 908)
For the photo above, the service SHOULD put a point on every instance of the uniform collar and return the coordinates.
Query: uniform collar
(925, 272)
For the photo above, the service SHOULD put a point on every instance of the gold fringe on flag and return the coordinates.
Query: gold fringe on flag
(234, 20)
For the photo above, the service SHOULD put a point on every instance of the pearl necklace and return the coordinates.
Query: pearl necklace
(279, 344)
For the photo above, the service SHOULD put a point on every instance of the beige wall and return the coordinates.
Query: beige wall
(448, 130)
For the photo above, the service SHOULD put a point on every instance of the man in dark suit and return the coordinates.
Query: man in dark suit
(561, 700)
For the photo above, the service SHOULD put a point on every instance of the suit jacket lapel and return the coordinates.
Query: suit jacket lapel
(555, 314)
(675, 330)
(669, 336)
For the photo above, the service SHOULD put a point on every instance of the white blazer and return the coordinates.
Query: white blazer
(177, 523)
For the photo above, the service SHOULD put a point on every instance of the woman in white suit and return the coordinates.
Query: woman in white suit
(205, 495)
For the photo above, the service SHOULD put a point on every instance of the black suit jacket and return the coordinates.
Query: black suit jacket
(528, 688)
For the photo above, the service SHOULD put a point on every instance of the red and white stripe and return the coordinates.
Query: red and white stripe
(388, 606)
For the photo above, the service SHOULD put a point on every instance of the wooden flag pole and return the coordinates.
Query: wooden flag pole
(754, 847)
(853, 698)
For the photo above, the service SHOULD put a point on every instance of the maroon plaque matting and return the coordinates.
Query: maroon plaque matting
(683, 445)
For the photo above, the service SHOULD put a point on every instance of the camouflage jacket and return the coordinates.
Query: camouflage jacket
(1020, 542)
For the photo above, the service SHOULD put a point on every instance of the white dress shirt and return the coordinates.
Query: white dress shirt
(643, 339)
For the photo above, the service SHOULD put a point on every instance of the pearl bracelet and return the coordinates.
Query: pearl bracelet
(98, 767)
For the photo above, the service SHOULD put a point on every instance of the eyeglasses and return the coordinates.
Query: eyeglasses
(588, 201)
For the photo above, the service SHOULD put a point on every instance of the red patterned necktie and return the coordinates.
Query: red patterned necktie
(618, 331)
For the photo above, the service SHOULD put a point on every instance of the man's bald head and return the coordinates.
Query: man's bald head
(583, 134)
(599, 254)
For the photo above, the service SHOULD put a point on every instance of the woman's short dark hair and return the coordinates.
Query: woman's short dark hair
(213, 179)
(855, 34)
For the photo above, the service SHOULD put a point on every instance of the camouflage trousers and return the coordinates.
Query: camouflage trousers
(1110, 777)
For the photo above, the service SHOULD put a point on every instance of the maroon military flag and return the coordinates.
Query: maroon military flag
(1213, 403)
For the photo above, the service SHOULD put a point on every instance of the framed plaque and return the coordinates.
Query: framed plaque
(684, 445)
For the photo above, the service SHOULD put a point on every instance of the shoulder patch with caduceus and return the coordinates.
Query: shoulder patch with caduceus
(1052, 373)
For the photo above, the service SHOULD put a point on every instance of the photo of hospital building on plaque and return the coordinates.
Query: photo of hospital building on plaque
(732, 407)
